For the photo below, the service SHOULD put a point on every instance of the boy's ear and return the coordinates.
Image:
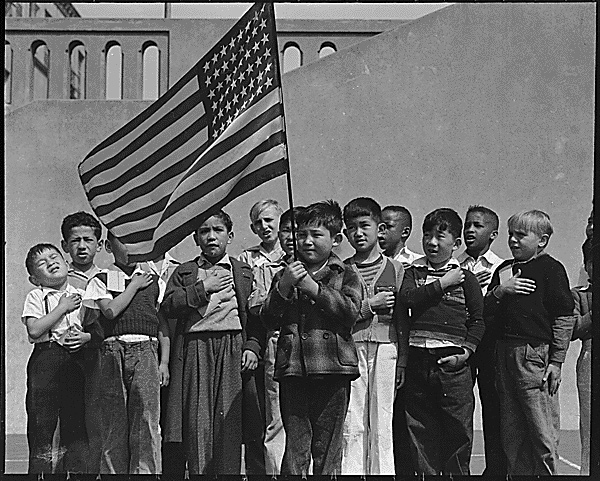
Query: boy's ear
(99, 246)
(229, 237)
(457, 244)
(64, 246)
(107, 246)
(493, 236)
(543, 242)
(337, 239)
(196, 240)
(405, 232)
(253, 229)
(34, 280)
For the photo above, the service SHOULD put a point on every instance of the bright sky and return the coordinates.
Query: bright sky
(378, 11)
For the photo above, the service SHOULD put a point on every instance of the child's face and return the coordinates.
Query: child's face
(362, 232)
(525, 245)
(438, 246)
(50, 269)
(82, 245)
(391, 236)
(478, 232)
(212, 237)
(119, 251)
(315, 244)
(285, 238)
(265, 225)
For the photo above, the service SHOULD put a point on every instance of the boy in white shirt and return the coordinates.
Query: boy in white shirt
(55, 380)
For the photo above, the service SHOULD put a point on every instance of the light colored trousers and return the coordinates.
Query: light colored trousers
(584, 388)
(368, 441)
(275, 434)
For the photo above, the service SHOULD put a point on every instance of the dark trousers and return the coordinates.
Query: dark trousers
(439, 414)
(253, 420)
(313, 413)
(55, 391)
(483, 369)
(402, 459)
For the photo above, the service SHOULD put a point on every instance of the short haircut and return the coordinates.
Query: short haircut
(535, 221)
(362, 206)
(34, 252)
(326, 213)
(287, 215)
(444, 219)
(587, 249)
(401, 211)
(262, 205)
(79, 219)
(223, 217)
(485, 211)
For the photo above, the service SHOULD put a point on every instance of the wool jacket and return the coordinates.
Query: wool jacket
(583, 313)
(545, 315)
(454, 314)
(183, 296)
(316, 334)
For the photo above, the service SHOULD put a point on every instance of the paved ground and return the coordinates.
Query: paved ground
(16, 453)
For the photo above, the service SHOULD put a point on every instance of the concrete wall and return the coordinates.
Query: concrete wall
(489, 104)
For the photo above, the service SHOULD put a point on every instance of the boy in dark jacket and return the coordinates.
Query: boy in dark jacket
(446, 326)
(315, 302)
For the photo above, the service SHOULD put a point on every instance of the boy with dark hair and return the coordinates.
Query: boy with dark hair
(529, 297)
(130, 374)
(380, 343)
(219, 348)
(315, 302)
(446, 326)
(392, 239)
(55, 380)
(480, 230)
(583, 331)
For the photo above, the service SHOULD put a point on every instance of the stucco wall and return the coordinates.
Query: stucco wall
(474, 104)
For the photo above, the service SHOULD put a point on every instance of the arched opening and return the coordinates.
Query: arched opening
(292, 57)
(114, 71)
(40, 56)
(77, 57)
(150, 67)
(327, 48)
(7, 72)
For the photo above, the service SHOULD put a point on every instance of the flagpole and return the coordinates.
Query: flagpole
(288, 174)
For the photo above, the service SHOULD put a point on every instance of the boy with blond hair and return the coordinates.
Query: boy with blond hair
(264, 217)
(530, 299)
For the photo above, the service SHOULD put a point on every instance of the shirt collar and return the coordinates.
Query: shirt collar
(47, 291)
(489, 256)
(224, 262)
(88, 274)
(423, 262)
(269, 255)
(334, 263)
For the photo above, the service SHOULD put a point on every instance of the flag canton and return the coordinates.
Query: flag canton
(239, 70)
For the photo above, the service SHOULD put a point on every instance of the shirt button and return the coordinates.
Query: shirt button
(304, 336)
(325, 335)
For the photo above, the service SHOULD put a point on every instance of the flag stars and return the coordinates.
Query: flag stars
(233, 83)
(260, 76)
(267, 53)
(256, 47)
(228, 106)
(206, 67)
(232, 43)
(247, 27)
(207, 81)
(263, 23)
(265, 39)
(216, 73)
(224, 66)
(250, 68)
(228, 78)
(259, 89)
(233, 56)
(268, 82)
(220, 114)
(268, 67)
(239, 35)
(247, 54)
(254, 31)
(243, 93)
(214, 106)
(219, 86)
(242, 77)
(251, 84)
(215, 58)
(235, 99)
(224, 50)
(257, 62)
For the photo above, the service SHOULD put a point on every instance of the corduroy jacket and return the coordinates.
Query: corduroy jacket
(316, 334)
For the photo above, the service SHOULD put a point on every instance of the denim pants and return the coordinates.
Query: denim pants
(130, 408)
(530, 416)
(313, 412)
(439, 414)
(55, 390)
(368, 440)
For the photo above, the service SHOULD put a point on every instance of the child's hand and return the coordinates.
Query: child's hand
(76, 339)
(456, 361)
(292, 274)
(163, 371)
(453, 277)
(382, 300)
(141, 280)
(484, 278)
(70, 302)
(249, 361)
(517, 285)
(217, 281)
(551, 378)
(400, 376)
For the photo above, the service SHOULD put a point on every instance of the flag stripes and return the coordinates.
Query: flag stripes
(216, 134)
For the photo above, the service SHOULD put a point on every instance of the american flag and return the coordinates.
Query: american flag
(215, 135)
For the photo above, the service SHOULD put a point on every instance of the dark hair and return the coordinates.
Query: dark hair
(35, 251)
(223, 216)
(485, 211)
(287, 215)
(587, 249)
(326, 213)
(402, 211)
(362, 206)
(443, 219)
(79, 219)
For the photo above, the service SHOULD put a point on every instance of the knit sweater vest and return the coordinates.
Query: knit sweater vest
(139, 317)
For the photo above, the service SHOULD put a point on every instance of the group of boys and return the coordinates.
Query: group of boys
(316, 365)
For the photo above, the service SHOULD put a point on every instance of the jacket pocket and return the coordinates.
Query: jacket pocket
(284, 351)
(346, 351)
